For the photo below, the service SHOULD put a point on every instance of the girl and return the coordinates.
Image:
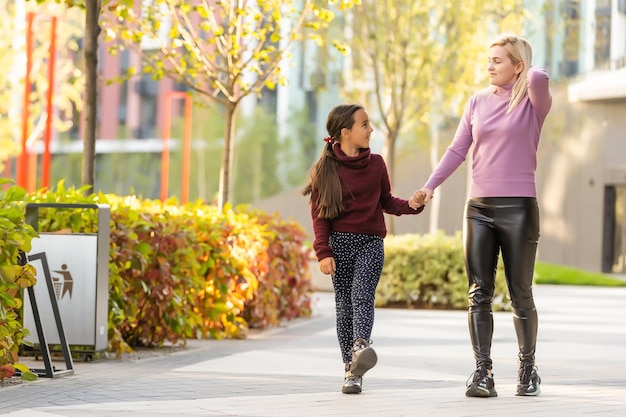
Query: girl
(350, 191)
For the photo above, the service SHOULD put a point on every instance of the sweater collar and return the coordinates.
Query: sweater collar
(504, 90)
(354, 162)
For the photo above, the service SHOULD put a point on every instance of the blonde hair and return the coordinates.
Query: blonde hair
(519, 50)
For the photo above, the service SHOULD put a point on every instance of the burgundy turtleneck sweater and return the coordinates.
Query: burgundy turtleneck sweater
(366, 195)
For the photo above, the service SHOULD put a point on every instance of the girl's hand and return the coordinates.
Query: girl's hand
(420, 198)
(327, 266)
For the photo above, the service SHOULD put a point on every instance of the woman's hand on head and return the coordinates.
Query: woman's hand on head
(327, 266)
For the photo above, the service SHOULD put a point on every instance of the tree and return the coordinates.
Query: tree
(92, 31)
(223, 51)
(422, 60)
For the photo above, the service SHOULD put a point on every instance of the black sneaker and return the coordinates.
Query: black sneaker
(481, 385)
(528, 381)
(363, 357)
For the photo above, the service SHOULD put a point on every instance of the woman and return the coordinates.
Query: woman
(350, 191)
(504, 123)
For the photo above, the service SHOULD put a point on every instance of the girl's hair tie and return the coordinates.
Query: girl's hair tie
(329, 139)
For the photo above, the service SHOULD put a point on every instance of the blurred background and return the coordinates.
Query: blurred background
(412, 65)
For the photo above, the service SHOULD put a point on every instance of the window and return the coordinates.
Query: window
(602, 51)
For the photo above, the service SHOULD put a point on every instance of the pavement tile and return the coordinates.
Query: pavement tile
(295, 371)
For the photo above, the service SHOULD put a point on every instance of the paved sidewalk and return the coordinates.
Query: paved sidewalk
(296, 371)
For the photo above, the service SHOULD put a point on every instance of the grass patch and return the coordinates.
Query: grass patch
(561, 275)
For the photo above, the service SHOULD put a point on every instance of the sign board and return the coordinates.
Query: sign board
(71, 259)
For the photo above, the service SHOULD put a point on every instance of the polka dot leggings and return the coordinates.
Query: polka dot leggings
(359, 259)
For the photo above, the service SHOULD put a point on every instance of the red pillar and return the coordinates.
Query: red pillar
(46, 158)
(22, 163)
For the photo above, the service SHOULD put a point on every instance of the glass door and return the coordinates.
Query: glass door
(619, 241)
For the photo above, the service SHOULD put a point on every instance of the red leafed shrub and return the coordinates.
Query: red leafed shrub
(225, 244)
(190, 271)
(285, 287)
(148, 254)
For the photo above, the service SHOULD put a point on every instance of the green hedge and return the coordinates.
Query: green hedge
(15, 238)
(190, 271)
(175, 271)
(428, 271)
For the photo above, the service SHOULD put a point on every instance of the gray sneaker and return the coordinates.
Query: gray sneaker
(363, 357)
(352, 384)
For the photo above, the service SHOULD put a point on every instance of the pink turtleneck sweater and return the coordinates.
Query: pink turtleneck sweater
(504, 158)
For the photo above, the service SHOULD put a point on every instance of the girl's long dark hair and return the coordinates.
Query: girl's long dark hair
(324, 182)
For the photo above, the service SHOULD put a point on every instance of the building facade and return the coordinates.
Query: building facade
(591, 117)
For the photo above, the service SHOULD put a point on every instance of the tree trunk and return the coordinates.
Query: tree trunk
(227, 156)
(389, 155)
(92, 31)
(435, 139)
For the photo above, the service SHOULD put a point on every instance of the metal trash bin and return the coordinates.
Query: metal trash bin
(78, 265)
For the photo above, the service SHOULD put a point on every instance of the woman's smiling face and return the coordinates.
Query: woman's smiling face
(501, 69)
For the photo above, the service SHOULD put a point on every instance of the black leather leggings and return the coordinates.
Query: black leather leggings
(509, 225)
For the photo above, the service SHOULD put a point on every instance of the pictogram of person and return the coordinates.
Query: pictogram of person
(68, 281)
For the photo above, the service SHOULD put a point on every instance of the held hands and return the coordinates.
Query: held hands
(420, 198)
(327, 266)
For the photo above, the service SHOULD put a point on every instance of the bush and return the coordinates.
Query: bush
(284, 287)
(15, 276)
(190, 271)
(428, 271)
